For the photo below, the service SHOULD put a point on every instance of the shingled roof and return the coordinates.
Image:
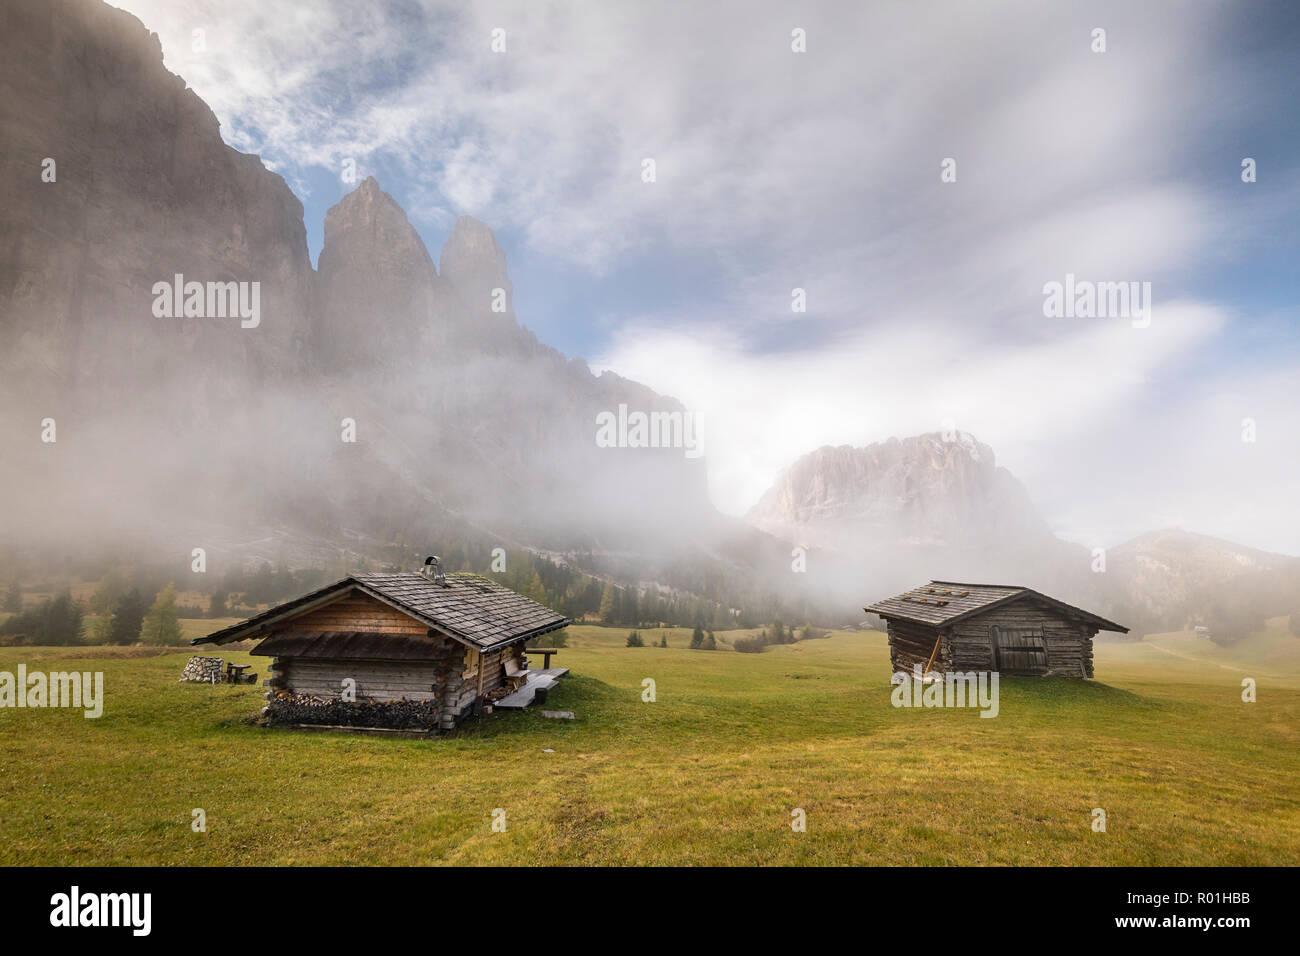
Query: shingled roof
(941, 603)
(468, 607)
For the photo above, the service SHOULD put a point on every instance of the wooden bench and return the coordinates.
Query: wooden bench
(516, 675)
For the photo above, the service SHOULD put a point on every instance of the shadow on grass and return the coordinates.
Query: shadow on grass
(1063, 693)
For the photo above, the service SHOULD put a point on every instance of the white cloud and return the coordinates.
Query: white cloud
(761, 412)
(819, 170)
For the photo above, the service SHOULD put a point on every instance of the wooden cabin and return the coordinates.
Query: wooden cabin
(412, 650)
(945, 626)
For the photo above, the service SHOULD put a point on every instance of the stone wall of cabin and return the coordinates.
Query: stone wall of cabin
(1068, 643)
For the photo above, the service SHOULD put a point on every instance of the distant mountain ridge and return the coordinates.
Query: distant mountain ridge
(1175, 579)
(926, 490)
(935, 505)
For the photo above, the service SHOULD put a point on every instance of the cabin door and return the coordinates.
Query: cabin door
(1018, 650)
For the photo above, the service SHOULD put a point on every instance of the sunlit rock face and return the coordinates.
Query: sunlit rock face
(475, 265)
(378, 301)
(923, 490)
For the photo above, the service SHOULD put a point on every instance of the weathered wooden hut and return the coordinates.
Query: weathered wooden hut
(413, 650)
(945, 626)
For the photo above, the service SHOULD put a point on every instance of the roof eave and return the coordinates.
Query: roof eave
(260, 622)
(527, 636)
(255, 627)
(452, 632)
(1100, 622)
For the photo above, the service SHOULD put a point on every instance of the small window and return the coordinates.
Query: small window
(1019, 650)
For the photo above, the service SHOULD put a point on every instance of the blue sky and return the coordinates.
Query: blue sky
(821, 170)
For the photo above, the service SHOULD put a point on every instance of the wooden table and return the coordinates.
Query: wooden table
(235, 672)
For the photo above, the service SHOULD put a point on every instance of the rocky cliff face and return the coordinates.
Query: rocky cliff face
(142, 189)
(458, 409)
(920, 491)
(475, 266)
(378, 302)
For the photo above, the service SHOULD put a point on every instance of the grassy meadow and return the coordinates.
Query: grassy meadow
(706, 774)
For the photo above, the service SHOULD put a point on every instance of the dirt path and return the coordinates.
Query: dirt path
(1201, 660)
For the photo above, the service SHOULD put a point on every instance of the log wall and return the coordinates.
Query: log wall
(450, 678)
(380, 680)
(1068, 642)
(968, 646)
(359, 612)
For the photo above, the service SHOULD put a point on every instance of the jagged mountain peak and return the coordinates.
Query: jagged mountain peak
(377, 295)
(936, 488)
(470, 234)
(367, 229)
(475, 264)
(367, 198)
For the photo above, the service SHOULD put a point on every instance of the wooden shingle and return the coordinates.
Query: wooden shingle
(468, 607)
(941, 603)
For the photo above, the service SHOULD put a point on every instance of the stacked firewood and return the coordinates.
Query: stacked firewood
(208, 670)
(287, 708)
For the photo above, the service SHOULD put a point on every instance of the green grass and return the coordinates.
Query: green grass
(707, 774)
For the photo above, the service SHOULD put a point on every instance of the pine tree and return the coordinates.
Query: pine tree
(217, 605)
(14, 598)
(261, 587)
(634, 639)
(111, 587)
(710, 642)
(697, 638)
(161, 625)
(663, 639)
(535, 591)
(100, 630)
(608, 604)
(128, 616)
(57, 620)
(63, 620)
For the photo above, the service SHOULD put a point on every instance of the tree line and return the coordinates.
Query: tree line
(61, 620)
(126, 593)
